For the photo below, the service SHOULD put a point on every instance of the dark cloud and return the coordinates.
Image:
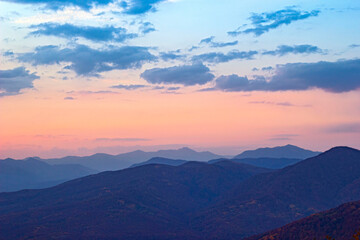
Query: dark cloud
(135, 7)
(296, 49)
(129, 87)
(210, 41)
(186, 75)
(8, 54)
(12, 81)
(87, 61)
(69, 31)
(60, 4)
(337, 77)
(218, 57)
(264, 22)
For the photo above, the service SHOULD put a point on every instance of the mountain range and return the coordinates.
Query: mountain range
(107, 162)
(32, 174)
(223, 200)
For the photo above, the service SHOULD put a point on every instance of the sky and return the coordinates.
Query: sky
(84, 76)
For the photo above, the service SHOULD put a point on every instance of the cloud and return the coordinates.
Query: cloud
(264, 22)
(12, 81)
(296, 49)
(69, 98)
(284, 104)
(344, 128)
(129, 87)
(96, 34)
(57, 5)
(337, 77)
(136, 7)
(186, 75)
(210, 41)
(87, 61)
(354, 45)
(172, 55)
(218, 57)
(146, 27)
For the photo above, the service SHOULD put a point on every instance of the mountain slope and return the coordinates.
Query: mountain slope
(341, 223)
(272, 163)
(31, 174)
(271, 200)
(146, 202)
(160, 160)
(107, 162)
(287, 151)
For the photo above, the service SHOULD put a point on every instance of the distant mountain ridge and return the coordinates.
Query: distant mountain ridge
(161, 160)
(107, 162)
(287, 151)
(272, 163)
(32, 174)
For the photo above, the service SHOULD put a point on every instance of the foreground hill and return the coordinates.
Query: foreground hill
(287, 151)
(147, 202)
(107, 162)
(340, 223)
(271, 200)
(32, 174)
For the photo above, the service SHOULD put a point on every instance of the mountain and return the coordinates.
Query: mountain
(287, 151)
(340, 223)
(160, 160)
(268, 201)
(107, 162)
(32, 173)
(272, 163)
(146, 202)
(196, 200)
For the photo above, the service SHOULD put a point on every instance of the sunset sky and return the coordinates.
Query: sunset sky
(84, 76)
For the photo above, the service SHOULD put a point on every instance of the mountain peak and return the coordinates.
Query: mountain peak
(287, 151)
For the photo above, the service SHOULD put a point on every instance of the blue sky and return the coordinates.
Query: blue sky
(276, 53)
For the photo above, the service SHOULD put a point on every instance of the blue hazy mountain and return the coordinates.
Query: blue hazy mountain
(287, 151)
(105, 162)
(272, 163)
(32, 173)
(161, 160)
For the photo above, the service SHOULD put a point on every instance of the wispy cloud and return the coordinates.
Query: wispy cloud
(219, 57)
(129, 87)
(210, 41)
(264, 22)
(296, 49)
(70, 31)
(88, 61)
